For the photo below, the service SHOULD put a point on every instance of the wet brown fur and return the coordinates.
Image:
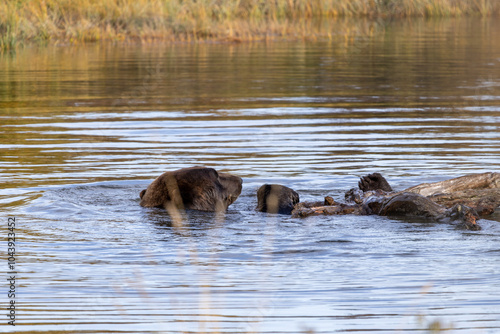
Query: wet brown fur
(276, 198)
(197, 188)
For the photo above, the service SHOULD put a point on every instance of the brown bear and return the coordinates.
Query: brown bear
(197, 188)
(275, 198)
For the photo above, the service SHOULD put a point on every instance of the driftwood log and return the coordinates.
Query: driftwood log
(458, 201)
(478, 191)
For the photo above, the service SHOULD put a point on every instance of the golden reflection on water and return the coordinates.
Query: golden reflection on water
(416, 100)
(441, 73)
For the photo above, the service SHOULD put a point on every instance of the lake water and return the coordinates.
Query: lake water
(85, 129)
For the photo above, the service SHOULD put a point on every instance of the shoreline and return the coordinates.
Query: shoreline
(150, 21)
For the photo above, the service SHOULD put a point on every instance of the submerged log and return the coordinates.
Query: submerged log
(484, 201)
(304, 210)
(458, 201)
(462, 183)
(478, 191)
(399, 205)
(414, 205)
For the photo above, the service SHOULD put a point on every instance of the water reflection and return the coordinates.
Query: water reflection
(84, 129)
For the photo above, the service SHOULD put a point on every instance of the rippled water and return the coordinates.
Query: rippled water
(84, 129)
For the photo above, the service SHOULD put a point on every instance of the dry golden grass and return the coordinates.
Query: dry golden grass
(76, 21)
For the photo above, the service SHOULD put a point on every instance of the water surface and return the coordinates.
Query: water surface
(85, 129)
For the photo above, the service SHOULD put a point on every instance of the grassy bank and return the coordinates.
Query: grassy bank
(73, 21)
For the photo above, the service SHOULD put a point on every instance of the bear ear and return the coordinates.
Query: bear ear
(214, 172)
(141, 195)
